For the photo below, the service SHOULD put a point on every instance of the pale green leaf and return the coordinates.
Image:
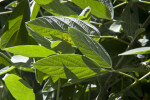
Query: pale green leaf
(20, 89)
(142, 50)
(97, 8)
(34, 10)
(31, 51)
(6, 70)
(90, 48)
(55, 66)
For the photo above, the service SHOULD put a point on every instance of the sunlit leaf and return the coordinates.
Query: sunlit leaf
(31, 51)
(56, 66)
(20, 89)
(90, 48)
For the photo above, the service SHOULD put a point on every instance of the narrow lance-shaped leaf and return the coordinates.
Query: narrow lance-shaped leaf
(142, 50)
(34, 10)
(90, 48)
(56, 66)
(31, 51)
(20, 89)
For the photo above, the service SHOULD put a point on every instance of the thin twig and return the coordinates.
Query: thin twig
(6, 12)
(120, 4)
(110, 37)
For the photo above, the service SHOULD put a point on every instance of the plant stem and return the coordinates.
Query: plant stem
(124, 74)
(58, 89)
(146, 75)
(144, 2)
(130, 86)
(6, 12)
(120, 4)
(110, 37)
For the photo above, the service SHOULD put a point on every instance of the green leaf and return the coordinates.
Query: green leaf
(15, 31)
(56, 8)
(20, 89)
(40, 76)
(97, 8)
(34, 10)
(31, 51)
(142, 50)
(52, 26)
(4, 60)
(39, 38)
(62, 47)
(6, 70)
(85, 14)
(43, 2)
(109, 5)
(55, 66)
(90, 48)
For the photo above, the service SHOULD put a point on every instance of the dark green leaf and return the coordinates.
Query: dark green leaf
(15, 31)
(4, 60)
(130, 19)
(56, 8)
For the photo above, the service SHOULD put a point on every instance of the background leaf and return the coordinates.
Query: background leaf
(90, 48)
(19, 88)
(31, 51)
(56, 8)
(130, 19)
(15, 31)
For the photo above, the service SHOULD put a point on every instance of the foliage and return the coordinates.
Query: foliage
(74, 50)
